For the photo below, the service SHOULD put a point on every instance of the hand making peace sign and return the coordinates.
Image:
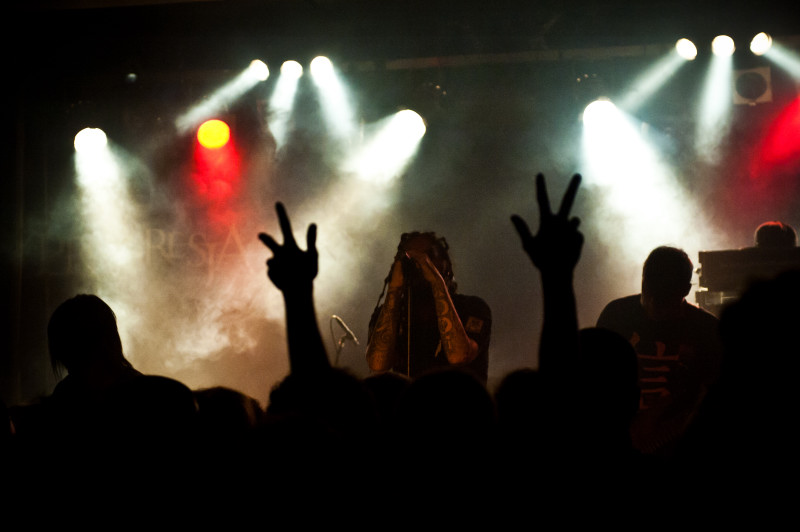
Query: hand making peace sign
(558, 243)
(290, 267)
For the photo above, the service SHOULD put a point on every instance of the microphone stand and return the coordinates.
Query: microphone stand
(342, 339)
(408, 330)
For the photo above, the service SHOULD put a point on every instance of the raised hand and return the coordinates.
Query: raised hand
(293, 270)
(290, 267)
(557, 245)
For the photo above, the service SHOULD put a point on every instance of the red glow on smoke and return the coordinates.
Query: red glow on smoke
(216, 176)
(779, 150)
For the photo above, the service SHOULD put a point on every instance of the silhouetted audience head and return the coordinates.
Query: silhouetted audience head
(521, 401)
(226, 414)
(775, 234)
(608, 378)
(759, 333)
(666, 280)
(386, 389)
(82, 332)
(446, 406)
(745, 430)
(332, 398)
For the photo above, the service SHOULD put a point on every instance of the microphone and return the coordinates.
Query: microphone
(349, 333)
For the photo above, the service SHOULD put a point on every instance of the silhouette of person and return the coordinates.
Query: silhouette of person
(103, 394)
(424, 324)
(226, 415)
(554, 251)
(569, 357)
(317, 410)
(444, 435)
(575, 411)
(677, 346)
(775, 235)
(744, 434)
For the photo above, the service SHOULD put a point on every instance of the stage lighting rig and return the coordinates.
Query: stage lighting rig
(686, 49)
(723, 46)
(213, 134)
(90, 139)
(761, 43)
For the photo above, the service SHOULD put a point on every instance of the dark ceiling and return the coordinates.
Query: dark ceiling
(211, 34)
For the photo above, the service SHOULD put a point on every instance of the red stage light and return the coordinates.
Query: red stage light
(216, 175)
(779, 150)
(213, 134)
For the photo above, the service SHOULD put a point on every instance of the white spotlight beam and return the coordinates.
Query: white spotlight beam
(256, 72)
(651, 80)
(334, 98)
(785, 59)
(281, 101)
(638, 193)
(112, 240)
(389, 148)
(713, 121)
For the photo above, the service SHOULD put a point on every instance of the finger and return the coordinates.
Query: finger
(522, 228)
(541, 196)
(268, 241)
(569, 196)
(574, 223)
(286, 226)
(311, 238)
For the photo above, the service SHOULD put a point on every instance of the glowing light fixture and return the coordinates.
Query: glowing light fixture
(90, 139)
(410, 124)
(599, 112)
(291, 69)
(722, 45)
(321, 67)
(213, 134)
(259, 70)
(761, 43)
(686, 49)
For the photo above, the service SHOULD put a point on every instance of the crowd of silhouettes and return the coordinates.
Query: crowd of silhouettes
(557, 434)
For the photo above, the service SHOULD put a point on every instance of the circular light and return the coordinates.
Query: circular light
(259, 70)
(761, 43)
(291, 69)
(686, 49)
(599, 111)
(411, 123)
(213, 134)
(90, 139)
(321, 66)
(722, 45)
